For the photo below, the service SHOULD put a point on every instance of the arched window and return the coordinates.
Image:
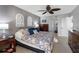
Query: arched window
(19, 20)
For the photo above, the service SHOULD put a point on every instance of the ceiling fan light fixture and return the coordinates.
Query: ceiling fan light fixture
(50, 10)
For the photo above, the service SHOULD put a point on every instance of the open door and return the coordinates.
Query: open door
(64, 25)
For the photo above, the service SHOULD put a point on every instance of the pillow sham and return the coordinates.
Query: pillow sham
(35, 31)
(19, 35)
(31, 30)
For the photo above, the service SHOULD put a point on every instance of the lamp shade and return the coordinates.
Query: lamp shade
(4, 26)
(36, 25)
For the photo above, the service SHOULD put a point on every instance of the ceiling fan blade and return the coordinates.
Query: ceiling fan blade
(55, 9)
(41, 10)
(51, 12)
(48, 7)
(44, 12)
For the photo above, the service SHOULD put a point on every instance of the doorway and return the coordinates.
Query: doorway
(65, 24)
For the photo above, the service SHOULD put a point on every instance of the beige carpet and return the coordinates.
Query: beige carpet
(60, 47)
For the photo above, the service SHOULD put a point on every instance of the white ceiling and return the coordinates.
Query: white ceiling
(34, 9)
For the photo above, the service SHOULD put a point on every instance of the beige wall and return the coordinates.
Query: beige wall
(75, 14)
(8, 15)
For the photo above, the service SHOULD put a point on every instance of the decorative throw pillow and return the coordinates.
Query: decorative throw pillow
(35, 31)
(31, 30)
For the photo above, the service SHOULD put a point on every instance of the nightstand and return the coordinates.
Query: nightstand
(10, 41)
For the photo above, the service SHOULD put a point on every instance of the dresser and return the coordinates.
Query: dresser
(43, 27)
(7, 44)
(73, 41)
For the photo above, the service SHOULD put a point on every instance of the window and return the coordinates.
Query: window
(4, 26)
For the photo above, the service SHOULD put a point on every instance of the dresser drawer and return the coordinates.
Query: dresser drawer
(4, 43)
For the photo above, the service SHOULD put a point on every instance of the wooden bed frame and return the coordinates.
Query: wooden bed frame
(29, 47)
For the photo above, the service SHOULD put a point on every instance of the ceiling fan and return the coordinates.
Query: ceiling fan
(49, 10)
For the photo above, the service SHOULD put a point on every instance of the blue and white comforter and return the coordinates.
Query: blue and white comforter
(42, 40)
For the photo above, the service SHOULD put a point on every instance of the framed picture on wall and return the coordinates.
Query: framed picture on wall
(44, 21)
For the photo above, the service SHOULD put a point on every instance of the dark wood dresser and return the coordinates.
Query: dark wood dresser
(7, 42)
(43, 27)
(73, 41)
(11, 42)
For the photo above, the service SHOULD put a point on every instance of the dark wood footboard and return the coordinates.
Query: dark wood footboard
(29, 47)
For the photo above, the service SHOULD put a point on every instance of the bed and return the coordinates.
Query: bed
(41, 42)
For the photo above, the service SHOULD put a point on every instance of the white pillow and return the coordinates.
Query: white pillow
(19, 35)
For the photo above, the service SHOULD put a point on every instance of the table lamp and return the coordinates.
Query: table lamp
(36, 25)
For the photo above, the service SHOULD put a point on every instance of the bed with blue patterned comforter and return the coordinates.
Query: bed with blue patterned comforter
(42, 40)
